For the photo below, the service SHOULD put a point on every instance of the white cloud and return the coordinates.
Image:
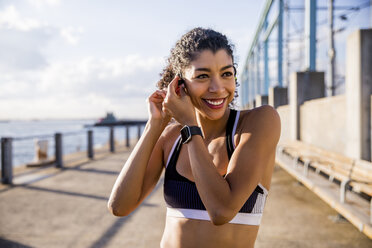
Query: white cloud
(21, 50)
(22, 42)
(11, 19)
(71, 34)
(87, 87)
(32, 87)
(42, 3)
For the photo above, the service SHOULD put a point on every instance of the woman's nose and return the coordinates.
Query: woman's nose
(215, 85)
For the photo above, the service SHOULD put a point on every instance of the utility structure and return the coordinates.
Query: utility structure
(255, 76)
(331, 52)
(257, 64)
(262, 65)
(280, 27)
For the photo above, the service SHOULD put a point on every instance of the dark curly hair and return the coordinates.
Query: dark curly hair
(188, 48)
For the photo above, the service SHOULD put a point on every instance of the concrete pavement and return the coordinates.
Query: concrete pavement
(67, 208)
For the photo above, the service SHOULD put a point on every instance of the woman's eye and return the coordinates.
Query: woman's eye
(227, 74)
(202, 76)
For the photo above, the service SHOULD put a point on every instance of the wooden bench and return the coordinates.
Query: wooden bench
(349, 174)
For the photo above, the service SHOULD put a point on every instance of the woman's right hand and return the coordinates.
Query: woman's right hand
(155, 107)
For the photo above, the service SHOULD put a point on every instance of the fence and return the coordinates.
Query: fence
(7, 145)
(301, 35)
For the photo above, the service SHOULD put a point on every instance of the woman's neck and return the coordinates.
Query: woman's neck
(212, 128)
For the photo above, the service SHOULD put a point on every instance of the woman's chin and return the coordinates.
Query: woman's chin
(213, 114)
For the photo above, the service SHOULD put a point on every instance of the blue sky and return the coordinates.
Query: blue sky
(79, 59)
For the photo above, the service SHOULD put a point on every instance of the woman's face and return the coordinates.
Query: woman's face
(210, 83)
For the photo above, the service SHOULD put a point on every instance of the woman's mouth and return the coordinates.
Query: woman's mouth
(215, 103)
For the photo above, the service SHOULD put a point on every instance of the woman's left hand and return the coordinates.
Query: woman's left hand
(179, 105)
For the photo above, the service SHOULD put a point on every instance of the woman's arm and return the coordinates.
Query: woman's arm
(224, 197)
(144, 166)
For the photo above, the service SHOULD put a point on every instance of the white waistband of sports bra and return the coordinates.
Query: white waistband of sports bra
(240, 218)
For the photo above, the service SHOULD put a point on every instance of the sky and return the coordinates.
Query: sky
(82, 58)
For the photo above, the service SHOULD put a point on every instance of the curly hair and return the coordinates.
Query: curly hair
(188, 48)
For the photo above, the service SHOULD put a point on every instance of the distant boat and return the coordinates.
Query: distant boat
(110, 118)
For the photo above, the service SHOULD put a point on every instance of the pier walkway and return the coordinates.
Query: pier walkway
(67, 208)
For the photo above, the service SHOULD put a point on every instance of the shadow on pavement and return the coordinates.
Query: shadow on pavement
(118, 224)
(4, 243)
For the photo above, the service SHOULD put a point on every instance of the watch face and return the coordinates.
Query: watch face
(185, 134)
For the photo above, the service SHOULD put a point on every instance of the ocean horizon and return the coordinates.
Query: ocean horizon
(74, 136)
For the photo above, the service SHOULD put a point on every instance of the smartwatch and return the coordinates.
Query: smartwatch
(188, 131)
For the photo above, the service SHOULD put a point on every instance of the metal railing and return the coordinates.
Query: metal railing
(7, 145)
(300, 35)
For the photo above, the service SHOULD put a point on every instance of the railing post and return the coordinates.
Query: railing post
(58, 150)
(112, 140)
(138, 132)
(90, 144)
(127, 136)
(6, 161)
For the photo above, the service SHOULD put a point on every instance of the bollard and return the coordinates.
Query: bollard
(41, 150)
(6, 161)
(112, 140)
(138, 132)
(90, 144)
(58, 150)
(127, 136)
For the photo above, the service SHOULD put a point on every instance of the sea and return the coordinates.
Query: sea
(25, 133)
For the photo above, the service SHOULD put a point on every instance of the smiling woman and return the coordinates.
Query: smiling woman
(218, 161)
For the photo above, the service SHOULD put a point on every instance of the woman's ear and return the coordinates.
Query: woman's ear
(185, 88)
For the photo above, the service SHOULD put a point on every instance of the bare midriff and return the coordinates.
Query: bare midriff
(183, 232)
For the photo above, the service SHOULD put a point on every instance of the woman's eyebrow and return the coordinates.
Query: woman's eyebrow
(203, 69)
(226, 67)
(208, 70)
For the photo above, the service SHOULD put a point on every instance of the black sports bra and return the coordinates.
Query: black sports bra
(181, 193)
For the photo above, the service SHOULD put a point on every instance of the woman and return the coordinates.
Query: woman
(218, 171)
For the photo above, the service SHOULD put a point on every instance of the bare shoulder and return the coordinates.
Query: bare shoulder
(171, 130)
(262, 121)
(169, 136)
(264, 113)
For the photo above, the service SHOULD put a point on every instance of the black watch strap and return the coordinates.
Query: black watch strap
(188, 131)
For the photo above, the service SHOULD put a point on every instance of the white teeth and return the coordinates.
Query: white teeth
(214, 102)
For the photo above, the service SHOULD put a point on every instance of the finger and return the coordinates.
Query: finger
(155, 94)
(157, 100)
(172, 86)
(159, 94)
(165, 110)
(183, 91)
(158, 97)
(163, 93)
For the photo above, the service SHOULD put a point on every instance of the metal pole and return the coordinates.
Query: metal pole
(331, 53)
(242, 90)
(287, 42)
(280, 45)
(127, 136)
(138, 132)
(266, 62)
(58, 150)
(6, 161)
(112, 140)
(244, 84)
(251, 80)
(247, 84)
(258, 81)
(370, 25)
(254, 79)
(90, 144)
(310, 35)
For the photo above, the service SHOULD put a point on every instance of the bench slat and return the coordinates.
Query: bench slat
(333, 164)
